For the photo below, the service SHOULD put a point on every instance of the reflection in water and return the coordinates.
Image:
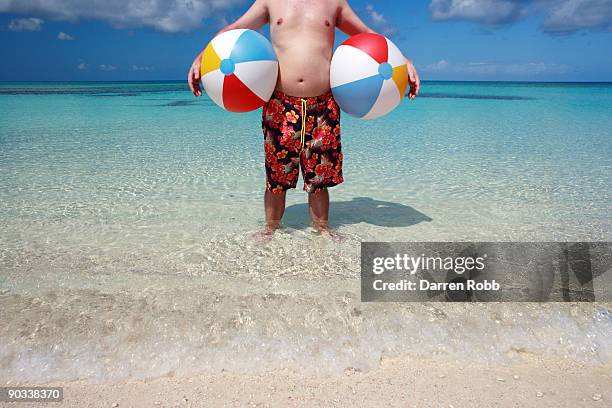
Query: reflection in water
(359, 210)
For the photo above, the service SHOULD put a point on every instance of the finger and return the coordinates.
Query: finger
(197, 75)
(190, 81)
(411, 71)
(411, 74)
(411, 93)
(415, 84)
(198, 89)
(417, 87)
(196, 70)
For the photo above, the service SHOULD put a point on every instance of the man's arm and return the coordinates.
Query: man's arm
(351, 24)
(349, 21)
(254, 18)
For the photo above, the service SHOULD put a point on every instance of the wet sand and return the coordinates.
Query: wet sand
(400, 382)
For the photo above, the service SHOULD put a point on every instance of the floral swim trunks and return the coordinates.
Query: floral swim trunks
(302, 133)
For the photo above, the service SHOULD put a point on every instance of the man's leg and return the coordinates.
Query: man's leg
(318, 203)
(274, 204)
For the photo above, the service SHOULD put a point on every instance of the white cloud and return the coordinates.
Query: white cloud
(380, 21)
(560, 16)
(493, 69)
(489, 12)
(62, 36)
(107, 67)
(439, 66)
(375, 15)
(26, 24)
(573, 15)
(137, 68)
(162, 15)
(82, 66)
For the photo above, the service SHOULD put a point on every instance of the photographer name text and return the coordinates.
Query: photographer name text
(424, 284)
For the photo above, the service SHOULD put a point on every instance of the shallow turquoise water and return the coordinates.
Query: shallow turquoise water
(532, 160)
(127, 213)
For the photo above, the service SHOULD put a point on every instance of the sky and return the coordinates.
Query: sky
(111, 40)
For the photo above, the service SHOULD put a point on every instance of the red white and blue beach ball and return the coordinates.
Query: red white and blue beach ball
(239, 70)
(369, 76)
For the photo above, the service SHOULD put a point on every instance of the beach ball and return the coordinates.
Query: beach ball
(239, 70)
(369, 76)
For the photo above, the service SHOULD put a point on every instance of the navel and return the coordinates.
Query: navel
(327, 23)
(279, 21)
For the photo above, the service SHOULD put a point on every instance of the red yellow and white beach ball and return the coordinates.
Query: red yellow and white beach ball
(239, 70)
(369, 76)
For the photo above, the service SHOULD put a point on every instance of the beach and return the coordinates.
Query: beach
(129, 273)
(403, 382)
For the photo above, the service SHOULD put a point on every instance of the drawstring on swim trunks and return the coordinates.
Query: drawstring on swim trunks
(303, 133)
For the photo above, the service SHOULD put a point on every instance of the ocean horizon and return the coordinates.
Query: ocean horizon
(422, 80)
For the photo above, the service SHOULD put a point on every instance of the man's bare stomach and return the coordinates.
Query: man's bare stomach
(304, 69)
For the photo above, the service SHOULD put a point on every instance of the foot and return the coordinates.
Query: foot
(329, 233)
(334, 236)
(266, 234)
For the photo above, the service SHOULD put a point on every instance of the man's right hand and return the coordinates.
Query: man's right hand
(193, 77)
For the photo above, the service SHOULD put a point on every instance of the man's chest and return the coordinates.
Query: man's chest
(303, 13)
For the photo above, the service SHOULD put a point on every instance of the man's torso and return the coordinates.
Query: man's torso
(303, 33)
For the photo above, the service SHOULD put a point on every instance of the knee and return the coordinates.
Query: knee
(318, 193)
